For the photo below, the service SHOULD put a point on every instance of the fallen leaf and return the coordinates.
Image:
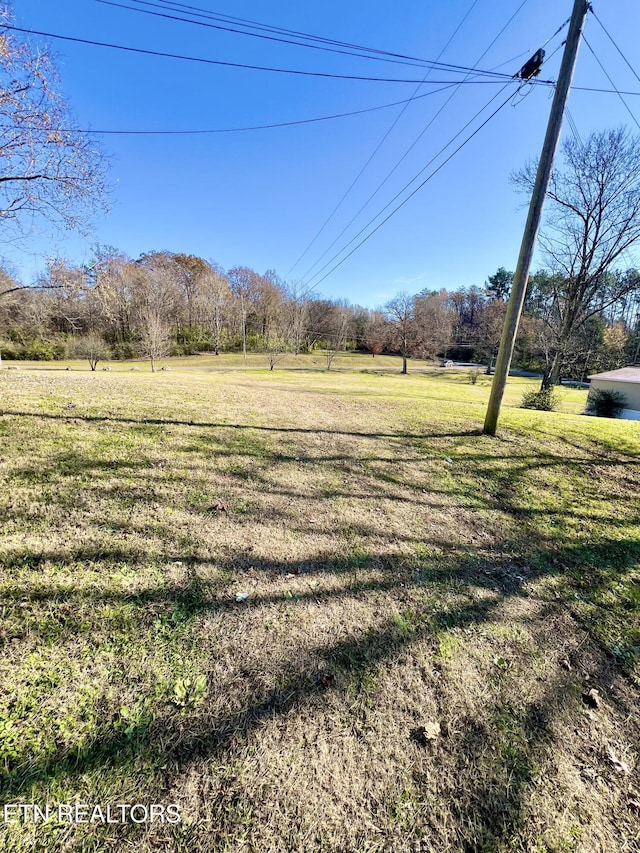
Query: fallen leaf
(426, 734)
(432, 729)
(620, 765)
(592, 698)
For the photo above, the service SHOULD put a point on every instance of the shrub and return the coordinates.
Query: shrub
(545, 400)
(605, 404)
(123, 350)
(11, 350)
(40, 350)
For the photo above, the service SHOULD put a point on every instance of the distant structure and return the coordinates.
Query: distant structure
(625, 380)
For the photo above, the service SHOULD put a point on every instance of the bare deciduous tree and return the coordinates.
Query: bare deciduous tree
(216, 297)
(297, 310)
(157, 301)
(433, 323)
(376, 333)
(593, 218)
(155, 334)
(92, 347)
(64, 286)
(400, 313)
(46, 170)
(338, 333)
(113, 274)
(242, 281)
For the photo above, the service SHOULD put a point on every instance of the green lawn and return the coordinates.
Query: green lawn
(318, 611)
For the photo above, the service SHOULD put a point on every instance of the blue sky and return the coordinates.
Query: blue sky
(258, 198)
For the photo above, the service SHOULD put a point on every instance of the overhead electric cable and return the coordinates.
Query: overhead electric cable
(324, 43)
(613, 91)
(604, 71)
(173, 4)
(614, 43)
(573, 127)
(238, 129)
(417, 189)
(413, 144)
(323, 47)
(374, 152)
(221, 62)
(415, 178)
(530, 50)
(548, 59)
(275, 125)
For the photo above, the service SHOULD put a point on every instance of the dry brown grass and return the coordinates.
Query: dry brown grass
(388, 591)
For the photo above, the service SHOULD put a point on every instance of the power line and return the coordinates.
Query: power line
(419, 187)
(197, 11)
(614, 43)
(573, 127)
(220, 62)
(414, 143)
(148, 52)
(604, 70)
(371, 156)
(273, 38)
(530, 50)
(269, 27)
(239, 129)
(275, 125)
(326, 44)
(613, 91)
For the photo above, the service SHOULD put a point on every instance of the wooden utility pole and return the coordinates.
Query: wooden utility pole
(521, 275)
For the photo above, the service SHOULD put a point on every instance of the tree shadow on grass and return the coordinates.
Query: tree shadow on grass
(493, 808)
(222, 425)
(491, 795)
(494, 802)
(595, 569)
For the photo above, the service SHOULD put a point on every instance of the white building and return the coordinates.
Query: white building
(626, 380)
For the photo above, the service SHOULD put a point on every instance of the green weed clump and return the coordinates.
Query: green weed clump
(605, 404)
(545, 400)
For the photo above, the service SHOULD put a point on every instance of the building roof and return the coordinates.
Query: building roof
(623, 374)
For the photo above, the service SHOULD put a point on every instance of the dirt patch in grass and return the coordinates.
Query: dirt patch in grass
(317, 614)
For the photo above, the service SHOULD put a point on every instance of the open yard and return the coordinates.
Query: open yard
(318, 611)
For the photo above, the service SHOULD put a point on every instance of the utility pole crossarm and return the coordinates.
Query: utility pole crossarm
(521, 275)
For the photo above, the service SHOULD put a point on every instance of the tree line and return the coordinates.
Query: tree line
(581, 314)
(166, 303)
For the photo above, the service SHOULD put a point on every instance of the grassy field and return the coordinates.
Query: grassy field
(318, 611)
